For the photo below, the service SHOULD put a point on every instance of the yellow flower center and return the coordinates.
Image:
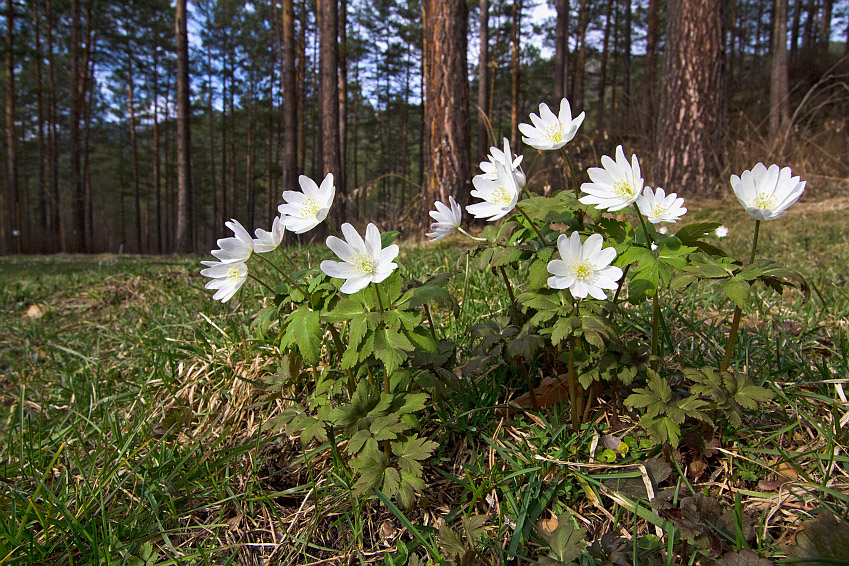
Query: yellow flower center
(501, 196)
(554, 133)
(623, 188)
(233, 275)
(363, 263)
(583, 269)
(658, 210)
(765, 200)
(310, 208)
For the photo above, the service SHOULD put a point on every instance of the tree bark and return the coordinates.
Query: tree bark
(289, 88)
(779, 104)
(135, 152)
(483, 86)
(328, 28)
(515, 52)
(825, 26)
(77, 188)
(649, 104)
(580, 68)
(602, 82)
(342, 174)
(43, 198)
(14, 207)
(626, 58)
(448, 168)
(561, 50)
(692, 106)
(183, 237)
(54, 223)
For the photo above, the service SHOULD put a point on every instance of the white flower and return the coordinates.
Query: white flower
(721, 231)
(237, 248)
(550, 131)
(767, 193)
(653, 246)
(615, 186)
(658, 207)
(227, 278)
(499, 195)
(583, 268)
(363, 262)
(305, 210)
(268, 241)
(447, 219)
(506, 158)
(663, 230)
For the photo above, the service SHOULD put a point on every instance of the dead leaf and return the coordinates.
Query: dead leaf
(547, 526)
(37, 311)
(551, 390)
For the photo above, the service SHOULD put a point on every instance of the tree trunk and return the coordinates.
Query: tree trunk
(156, 158)
(77, 188)
(342, 174)
(135, 149)
(794, 35)
(301, 91)
(825, 26)
(448, 168)
(289, 88)
(183, 238)
(14, 207)
(55, 222)
(602, 82)
(43, 197)
(328, 28)
(483, 86)
(649, 105)
(514, 73)
(779, 105)
(808, 41)
(626, 59)
(250, 194)
(561, 50)
(692, 106)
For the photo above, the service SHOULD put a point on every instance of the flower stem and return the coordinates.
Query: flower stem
(649, 241)
(735, 321)
(281, 272)
(507, 284)
(531, 222)
(379, 300)
(573, 385)
(430, 321)
(332, 227)
(574, 184)
(261, 282)
(655, 328)
(460, 229)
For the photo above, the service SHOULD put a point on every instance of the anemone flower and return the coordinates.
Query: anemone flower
(363, 261)
(615, 185)
(447, 219)
(499, 195)
(721, 231)
(236, 248)
(583, 268)
(659, 207)
(308, 208)
(767, 193)
(507, 159)
(549, 131)
(227, 278)
(269, 241)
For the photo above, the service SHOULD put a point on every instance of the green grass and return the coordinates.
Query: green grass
(132, 405)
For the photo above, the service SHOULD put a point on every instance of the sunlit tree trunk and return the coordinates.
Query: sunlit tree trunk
(692, 106)
(483, 76)
(183, 237)
(328, 26)
(561, 50)
(602, 82)
(515, 68)
(13, 204)
(448, 168)
(779, 104)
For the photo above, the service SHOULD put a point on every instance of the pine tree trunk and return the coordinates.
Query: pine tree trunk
(561, 50)
(692, 106)
(156, 157)
(77, 188)
(55, 219)
(43, 198)
(514, 73)
(483, 86)
(301, 91)
(250, 161)
(13, 204)
(779, 105)
(135, 149)
(448, 168)
(183, 238)
(794, 35)
(602, 82)
(342, 175)
(289, 89)
(626, 59)
(649, 105)
(825, 26)
(328, 28)
(580, 67)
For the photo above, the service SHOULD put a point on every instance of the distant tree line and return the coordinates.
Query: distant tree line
(142, 125)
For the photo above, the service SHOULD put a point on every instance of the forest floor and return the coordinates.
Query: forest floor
(132, 409)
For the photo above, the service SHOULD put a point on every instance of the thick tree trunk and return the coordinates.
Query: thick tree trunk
(626, 57)
(448, 168)
(77, 187)
(301, 92)
(692, 106)
(183, 238)
(342, 175)
(55, 222)
(580, 68)
(43, 197)
(779, 104)
(561, 50)
(289, 89)
(328, 27)
(13, 204)
(797, 19)
(825, 25)
(483, 86)
(515, 52)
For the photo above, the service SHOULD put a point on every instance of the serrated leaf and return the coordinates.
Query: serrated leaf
(743, 558)
(822, 540)
(391, 482)
(538, 274)
(303, 330)
(343, 310)
(411, 452)
(737, 290)
(566, 541)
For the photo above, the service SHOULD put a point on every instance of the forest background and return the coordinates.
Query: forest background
(138, 126)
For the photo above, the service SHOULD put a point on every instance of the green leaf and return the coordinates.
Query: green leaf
(737, 290)
(538, 273)
(344, 309)
(389, 348)
(411, 452)
(303, 329)
(743, 558)
(566, 542)
(692, 232)
(386, 238)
